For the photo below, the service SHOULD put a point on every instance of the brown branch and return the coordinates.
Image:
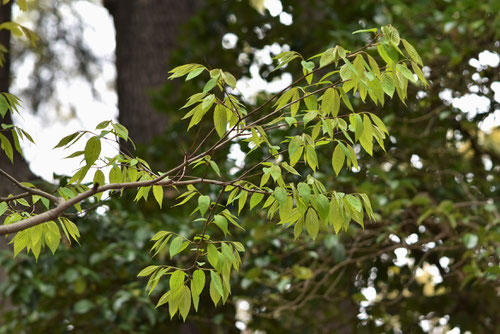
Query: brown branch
(32, 191)
(14, 197)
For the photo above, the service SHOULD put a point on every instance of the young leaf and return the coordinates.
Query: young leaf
(412, 52)
(185, 302)
(92, 150)
(158, 194)
(312, 223)
(388, 84)
(175, 246)
(304, 191)
(216, 282)
(338, 159)
(220, 120)
(198, 281)
(203, 203)
(255, 199)
(221, 222)
(406, 72)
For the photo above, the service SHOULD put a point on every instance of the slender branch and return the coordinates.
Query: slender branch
(14, 197)
(65, 205)
(32, 191)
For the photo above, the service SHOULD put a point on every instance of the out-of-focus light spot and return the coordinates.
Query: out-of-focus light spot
(240, 325)
(416, 161)
(394, 238)
(274, 7)
(489, 58)
(286, 19)
(402, 258)
(370, 293)
(229, 40)
(101, 210)
(472, 104)
(411, 239)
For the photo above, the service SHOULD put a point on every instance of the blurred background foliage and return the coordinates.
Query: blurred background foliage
(429, 263)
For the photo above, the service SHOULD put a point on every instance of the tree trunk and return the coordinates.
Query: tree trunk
(146, 33)
(19, 169)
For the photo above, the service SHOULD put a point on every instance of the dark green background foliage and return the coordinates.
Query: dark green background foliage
(304, 286)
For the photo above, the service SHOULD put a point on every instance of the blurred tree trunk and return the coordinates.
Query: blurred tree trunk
(146, 33)
(19, 169)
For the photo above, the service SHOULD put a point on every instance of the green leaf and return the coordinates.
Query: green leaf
(208, 101)
(419, 73)
(406, 72)
(378, 122)
(7, 147)
(217, 282)
(175, 246)
(366, 139)
(214, 166)
(182, 70)
(99, 181)
(304, 191)
(115, 175)
(309, 65)
(312, 158)
(388, 84)
(286, 210)
(210, 84)
(373, 65)
(173, 302)
(195, 73)
(3, 208)
(338, 159)
(163, 299)
(158, 194)
(372, 30)
(4, 106)
(221, 222)
(214, 294)
(327, 57)
(121, 131)
(383, 53)
(345, 99)
(295, 107)
(66, 140)
(355, 202)
(322, 205)
(255, 199)
(203, 203)
(212, 255)
(297, 228)
(147, 271)
(198, 281)
(177, 279)
(242, 200)
(92, 150)
(412, 52)
(185, 302)
(327, 101)
(312, 223)
(230, 79)
(280, 194)
(220, 120)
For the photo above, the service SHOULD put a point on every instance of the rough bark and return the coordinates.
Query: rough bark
(146, 33)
